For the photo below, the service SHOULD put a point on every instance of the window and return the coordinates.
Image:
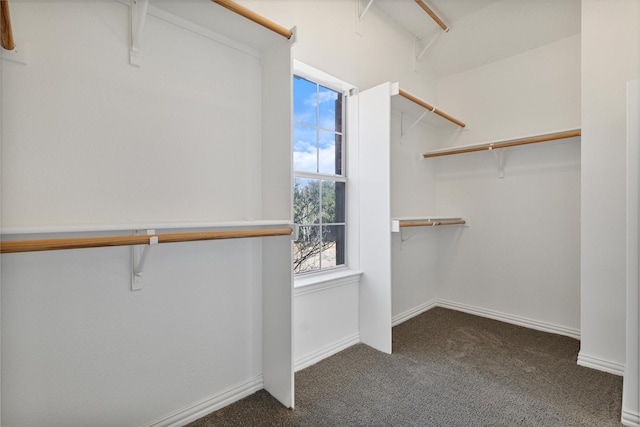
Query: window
(319, 189)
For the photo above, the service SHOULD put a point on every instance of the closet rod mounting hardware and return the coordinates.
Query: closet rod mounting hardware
(398, 224)
(505, 143)
(16, 246)
(416, 43)
(139, 256)
(141, 244)
(138, 18)
(430, 107)
(364, 12)
(404, 131)
(499, 156)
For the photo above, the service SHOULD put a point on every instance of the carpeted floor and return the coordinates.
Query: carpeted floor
(447, 369)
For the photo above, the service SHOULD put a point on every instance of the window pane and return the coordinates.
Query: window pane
(306, 201)
(333, 201)
(330, 109)
(306, 249)
(305, 148)
(305, 101)
(330, 151)
(333, 247)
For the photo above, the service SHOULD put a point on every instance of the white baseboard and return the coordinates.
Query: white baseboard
(600, 364)
(403, 317)
(323, 353)
(191, 413)
(510, 318)
(630, 419)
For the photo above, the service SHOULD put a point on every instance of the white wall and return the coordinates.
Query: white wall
(535, 92)
(325, 320)
(520, 258)
(610, 58)
(78, 347)
(413, 191)
(79, 96)
(326, 39)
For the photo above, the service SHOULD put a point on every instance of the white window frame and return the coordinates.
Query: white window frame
(350, 156)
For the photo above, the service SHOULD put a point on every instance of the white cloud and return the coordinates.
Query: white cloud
(307, 160)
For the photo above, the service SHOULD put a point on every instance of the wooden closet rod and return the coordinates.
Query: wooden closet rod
(433, 16)
(430, 108)
(497, 145)
(139, 239)
(5, 26)
(258, 19)
(432, 223)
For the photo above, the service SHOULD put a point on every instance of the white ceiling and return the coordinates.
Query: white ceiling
(483, 31)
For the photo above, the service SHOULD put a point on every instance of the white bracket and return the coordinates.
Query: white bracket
(358, 16)
(426, 48)
(404, 131)
(19, 53)
(364, 12)
(138, 17)
(139, 254)
(296, 231)
(499, 156)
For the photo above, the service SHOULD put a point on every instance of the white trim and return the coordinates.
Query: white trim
(198, 410)
(323, 353)
(140, 226)
(318, 175)
(403, 317)
(600, 364)
(321, 282)
(510, 318)
(324, 79)
(630, 419)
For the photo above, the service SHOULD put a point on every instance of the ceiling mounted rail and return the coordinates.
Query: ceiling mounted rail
(504, 144)
(5, 26)
(100, 242)
(429, 107)
(433, 15)
(258, 19)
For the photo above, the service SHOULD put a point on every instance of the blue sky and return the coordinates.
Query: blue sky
(313, 134)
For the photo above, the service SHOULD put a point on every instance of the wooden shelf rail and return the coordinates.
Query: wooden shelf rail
(505, 144)
(433, 15)
(142, 239)
(432, 223)
(258, 19)
(5, 26)
(430, 107)
(397, 224)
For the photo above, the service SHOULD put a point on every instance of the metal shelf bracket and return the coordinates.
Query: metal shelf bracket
(138, 17)
(499, 156)
(139, 256)
(404, 131)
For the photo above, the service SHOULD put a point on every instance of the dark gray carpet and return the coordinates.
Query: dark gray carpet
(448, 369)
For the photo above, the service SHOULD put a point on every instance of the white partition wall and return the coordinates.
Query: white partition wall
(375, 216)
(197, 137)
(631, 394)
(399, 277)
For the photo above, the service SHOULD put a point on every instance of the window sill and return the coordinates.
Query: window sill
(321, 282)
